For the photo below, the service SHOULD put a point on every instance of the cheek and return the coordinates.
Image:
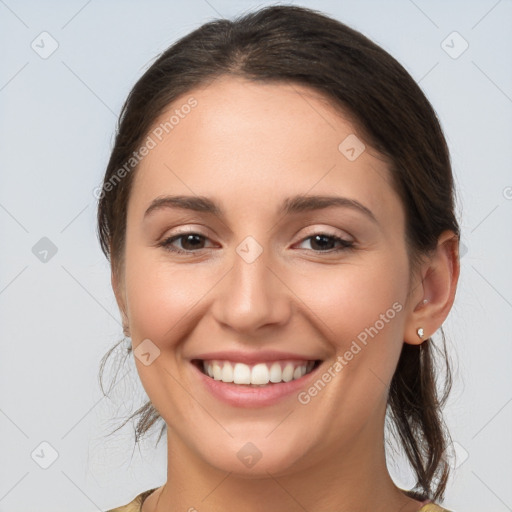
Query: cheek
(351, 297)
(164, 305)
(160, 296)
(360, 310)
(346, 299)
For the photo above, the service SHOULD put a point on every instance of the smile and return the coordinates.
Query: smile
(259, 374)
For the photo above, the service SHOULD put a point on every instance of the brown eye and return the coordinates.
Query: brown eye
(322, 242)
(189, 242)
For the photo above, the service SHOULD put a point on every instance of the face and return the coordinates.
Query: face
(270, 284)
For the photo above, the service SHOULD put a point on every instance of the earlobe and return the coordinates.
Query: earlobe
(436, 290)
(416, 334)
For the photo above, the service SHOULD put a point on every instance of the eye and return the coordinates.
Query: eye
(324, 243)
(189, 241)
(192, 242)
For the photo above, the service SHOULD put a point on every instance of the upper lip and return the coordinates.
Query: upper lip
(253, 357)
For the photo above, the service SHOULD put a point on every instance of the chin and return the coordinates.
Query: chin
(254, 457)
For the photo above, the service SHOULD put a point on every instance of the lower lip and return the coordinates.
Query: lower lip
(240, 395)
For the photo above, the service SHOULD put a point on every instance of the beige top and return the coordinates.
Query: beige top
(136, 504)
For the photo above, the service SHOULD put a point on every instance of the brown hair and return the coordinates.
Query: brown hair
(303, 46)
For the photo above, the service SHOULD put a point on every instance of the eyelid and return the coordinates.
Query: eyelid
(184, 232)
(196, 229)
(327, 230)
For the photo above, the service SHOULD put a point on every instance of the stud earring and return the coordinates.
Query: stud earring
(420, 332)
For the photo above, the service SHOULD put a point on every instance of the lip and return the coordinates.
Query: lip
(245, 396)
(261, 356)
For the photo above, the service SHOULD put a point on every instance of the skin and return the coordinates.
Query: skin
(248, 146)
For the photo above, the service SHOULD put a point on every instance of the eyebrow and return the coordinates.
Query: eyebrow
(290, 205)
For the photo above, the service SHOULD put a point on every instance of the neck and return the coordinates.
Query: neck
(352, 477)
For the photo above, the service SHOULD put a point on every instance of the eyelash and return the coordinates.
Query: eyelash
(345, 244)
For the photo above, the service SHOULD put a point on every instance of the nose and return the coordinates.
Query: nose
(252, 295)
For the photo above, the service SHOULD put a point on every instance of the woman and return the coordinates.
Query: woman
(278, 211)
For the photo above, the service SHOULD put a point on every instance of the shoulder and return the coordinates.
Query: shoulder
(134, 505)
(432, 507)
(428, 505)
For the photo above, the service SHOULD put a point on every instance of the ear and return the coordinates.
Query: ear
(119, 294)
(434, 289)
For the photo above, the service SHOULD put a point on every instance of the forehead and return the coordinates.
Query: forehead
(238, 139)
(235, 112)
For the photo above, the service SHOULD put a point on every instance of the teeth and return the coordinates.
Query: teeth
(260, 374)
(241, 374)
(288, 373)
(227, 373)
(275, 372)
(217, 371)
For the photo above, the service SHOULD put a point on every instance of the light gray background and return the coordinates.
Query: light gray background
(59, 317)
